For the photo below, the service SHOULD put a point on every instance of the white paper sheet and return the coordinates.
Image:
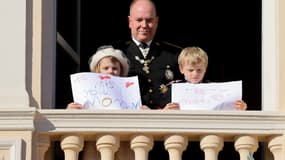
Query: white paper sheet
(207, 96)
(101, 91)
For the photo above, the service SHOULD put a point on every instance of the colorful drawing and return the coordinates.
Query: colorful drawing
(207, 96)
(100, 91)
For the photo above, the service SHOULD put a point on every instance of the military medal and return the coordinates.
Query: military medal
(145, 63)
(163, 88)
(146, 68)
(168, 73)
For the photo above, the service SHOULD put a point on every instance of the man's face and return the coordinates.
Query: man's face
(143, 21)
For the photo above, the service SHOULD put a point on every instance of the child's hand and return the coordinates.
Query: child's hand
(172, 106)
(74, 105)
(144, 107)
(240, 105)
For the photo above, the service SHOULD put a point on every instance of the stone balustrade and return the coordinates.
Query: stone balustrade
(131, 135)
(140, 129)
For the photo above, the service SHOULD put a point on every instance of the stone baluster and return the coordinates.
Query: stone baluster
(43, 145)
(141, 145)
(71, 145)
(246, 145)
(275, 145)
(175, 145)
(107, 145)
(211, 145)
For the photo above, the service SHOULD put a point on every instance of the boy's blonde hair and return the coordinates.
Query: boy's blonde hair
(193, 56)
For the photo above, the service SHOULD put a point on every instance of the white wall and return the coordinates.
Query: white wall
(12, 51)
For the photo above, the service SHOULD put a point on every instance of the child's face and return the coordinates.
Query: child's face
(107, 66)
(193, 73)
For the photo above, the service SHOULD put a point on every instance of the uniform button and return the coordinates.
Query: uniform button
(150, 90)
(147, 72)
(149, 80)
(150, 102)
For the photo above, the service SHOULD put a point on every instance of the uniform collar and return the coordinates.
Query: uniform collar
(138, 43)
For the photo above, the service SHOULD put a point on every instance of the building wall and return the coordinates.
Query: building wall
(281, 46)
(13, 52)
(18, 142)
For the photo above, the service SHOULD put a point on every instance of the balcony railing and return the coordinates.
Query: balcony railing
(111, 130)
(131, 135)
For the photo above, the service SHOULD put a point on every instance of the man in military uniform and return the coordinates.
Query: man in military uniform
(155, 63)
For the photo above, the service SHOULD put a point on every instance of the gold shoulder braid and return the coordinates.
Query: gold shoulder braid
(145, 63)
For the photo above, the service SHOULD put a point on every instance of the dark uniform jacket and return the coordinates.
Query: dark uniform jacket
(159, 68)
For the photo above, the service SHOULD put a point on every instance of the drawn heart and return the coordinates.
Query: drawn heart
(104, 77)
(128, 84)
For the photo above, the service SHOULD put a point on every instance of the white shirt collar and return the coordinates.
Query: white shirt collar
(138, 43)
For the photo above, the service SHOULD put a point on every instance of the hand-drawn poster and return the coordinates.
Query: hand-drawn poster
(101, 91)
(207, 96)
